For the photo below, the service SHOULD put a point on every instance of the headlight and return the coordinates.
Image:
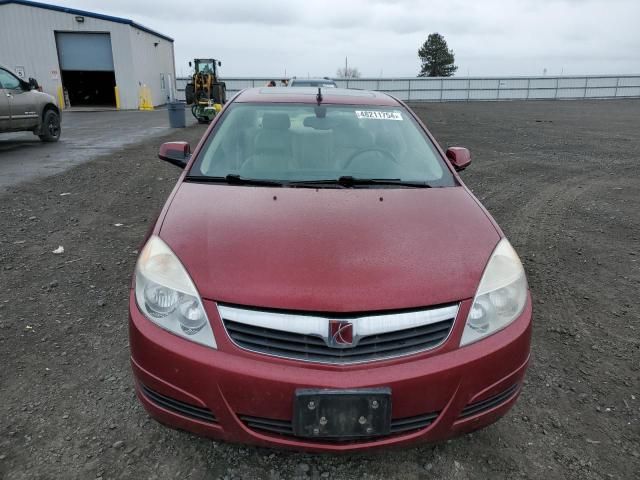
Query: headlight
(167, 296)
(501, 295)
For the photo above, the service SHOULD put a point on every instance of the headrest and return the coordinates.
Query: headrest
(276, 121)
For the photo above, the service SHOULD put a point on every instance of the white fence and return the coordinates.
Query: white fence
(475, 88)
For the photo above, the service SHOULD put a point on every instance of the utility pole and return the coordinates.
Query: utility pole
(346, 68)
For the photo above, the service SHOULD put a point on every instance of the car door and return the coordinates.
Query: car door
(5, 113)
(22, 102)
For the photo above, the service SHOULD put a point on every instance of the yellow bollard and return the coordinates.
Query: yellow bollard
(145, 102)
(117, 94)
(60, 98)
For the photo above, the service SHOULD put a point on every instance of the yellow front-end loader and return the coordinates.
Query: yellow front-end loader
(205, 93)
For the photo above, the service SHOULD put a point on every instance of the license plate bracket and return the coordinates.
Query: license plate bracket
(342, 414)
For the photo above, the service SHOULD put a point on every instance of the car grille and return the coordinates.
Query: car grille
(176, 406)
(314, 346)
(285, 427)
(489, 403)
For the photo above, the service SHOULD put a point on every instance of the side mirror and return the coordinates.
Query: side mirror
(189, 63)
(459, 157)
(219, 64)
(176, 153)
(33, 84)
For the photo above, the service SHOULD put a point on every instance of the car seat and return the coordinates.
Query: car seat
(313, 150)
(272, 145)
(238, 144)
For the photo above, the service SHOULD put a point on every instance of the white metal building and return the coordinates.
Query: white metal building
(84, 58)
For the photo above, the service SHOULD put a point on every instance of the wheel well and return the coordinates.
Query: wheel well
(47, 107)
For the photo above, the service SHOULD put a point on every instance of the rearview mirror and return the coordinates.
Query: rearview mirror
(176, 153)
(459, 157)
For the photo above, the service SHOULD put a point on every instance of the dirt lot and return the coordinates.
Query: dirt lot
(561, 178)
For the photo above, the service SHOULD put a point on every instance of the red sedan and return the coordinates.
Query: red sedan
(321, 279)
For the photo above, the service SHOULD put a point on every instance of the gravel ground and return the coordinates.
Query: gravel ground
(86, 134)
(560, 177)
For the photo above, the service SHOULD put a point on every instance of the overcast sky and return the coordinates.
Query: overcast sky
(381, 37)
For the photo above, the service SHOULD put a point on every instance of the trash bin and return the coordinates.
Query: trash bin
(176, 115)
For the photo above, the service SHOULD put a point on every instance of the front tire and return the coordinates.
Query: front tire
(50, 127)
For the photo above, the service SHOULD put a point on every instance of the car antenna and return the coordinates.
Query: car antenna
(319, 96)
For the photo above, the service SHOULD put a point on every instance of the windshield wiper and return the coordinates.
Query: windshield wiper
(233, 179)
(349, 181)
(345, 181)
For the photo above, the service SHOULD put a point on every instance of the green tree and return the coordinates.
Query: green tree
(437, 60)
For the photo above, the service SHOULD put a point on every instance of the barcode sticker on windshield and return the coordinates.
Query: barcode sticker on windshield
(378, 115)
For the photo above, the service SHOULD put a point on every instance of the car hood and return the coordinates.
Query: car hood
(332, 250)
(43, 97)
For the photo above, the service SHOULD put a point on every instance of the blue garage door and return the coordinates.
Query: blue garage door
(89, 52)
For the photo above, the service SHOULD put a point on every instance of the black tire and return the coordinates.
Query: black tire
(50, 127)
(190, 93)
(223, 95)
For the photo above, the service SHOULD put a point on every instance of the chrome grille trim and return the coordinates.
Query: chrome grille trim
(306, 337)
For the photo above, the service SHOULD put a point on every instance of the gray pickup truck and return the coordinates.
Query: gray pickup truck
(24, 108)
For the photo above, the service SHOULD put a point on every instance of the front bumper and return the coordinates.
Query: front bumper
(238, 396)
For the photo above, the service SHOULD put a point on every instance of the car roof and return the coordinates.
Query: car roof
(339, 96)
(313, 79)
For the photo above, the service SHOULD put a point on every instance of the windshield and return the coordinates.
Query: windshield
(291, 142)
(205, 67)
